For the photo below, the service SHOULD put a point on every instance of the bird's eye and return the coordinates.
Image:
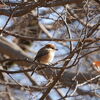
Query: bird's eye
(53, 48)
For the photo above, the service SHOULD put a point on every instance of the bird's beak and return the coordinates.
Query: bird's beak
(56, 49)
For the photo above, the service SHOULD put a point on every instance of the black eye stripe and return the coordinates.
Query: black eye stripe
(52, 48)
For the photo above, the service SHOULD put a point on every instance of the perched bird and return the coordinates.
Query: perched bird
(46, 54)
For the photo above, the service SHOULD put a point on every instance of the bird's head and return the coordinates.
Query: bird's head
(51, 46)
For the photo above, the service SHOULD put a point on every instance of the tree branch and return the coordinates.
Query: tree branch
(26, 7)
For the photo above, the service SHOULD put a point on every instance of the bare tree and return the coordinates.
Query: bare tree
(73, 26)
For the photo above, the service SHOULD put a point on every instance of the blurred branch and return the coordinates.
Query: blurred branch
(25, 87)
(40, 88)
(52, 39)
(26, 7)
(45, 30)
(7, 89)
(85, 37)
(13, 51)
(98, 1)
(88, 81)
(8, 20)
(85, 92)
(68, 76)
(78, 18)
(67, 28)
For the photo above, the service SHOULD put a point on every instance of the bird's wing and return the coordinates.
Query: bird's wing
(41, 53)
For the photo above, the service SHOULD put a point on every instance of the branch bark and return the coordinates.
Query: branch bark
(26, 7)
(13, 51)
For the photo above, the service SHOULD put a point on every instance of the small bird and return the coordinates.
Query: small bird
(46, 54)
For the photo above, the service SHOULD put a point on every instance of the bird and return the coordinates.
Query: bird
(45, 55)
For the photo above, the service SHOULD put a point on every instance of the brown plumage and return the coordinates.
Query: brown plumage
(45, 55)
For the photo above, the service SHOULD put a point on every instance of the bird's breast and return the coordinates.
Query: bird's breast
(47, 58)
